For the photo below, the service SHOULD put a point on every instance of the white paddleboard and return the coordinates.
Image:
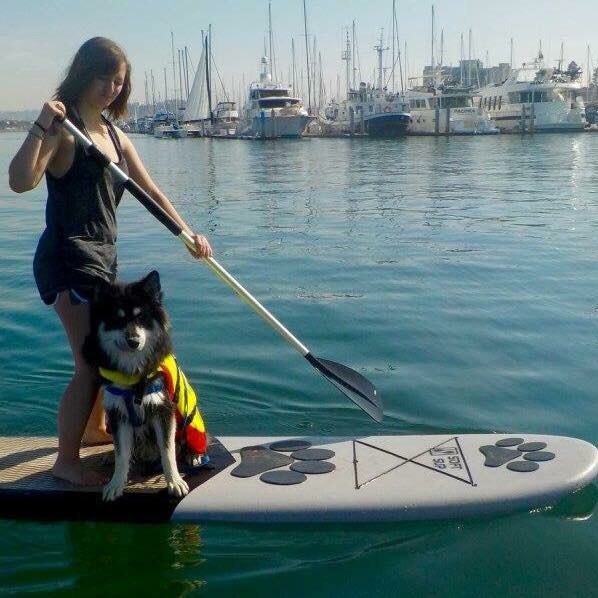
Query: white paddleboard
(314, 479)
(395, 478)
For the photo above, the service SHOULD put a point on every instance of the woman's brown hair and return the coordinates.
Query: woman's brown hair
(97, 57)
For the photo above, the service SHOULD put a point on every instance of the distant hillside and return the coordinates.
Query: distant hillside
(29, 115)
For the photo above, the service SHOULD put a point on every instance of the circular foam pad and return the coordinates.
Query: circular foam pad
(288, 446)
(313, 454)
(539, 456)
(312, 467)
(283, 477)
(510, 441)
(532, 446)
(521, 466)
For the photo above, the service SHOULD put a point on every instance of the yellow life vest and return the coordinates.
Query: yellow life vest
(190, 423)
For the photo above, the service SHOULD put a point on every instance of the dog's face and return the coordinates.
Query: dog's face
(129, 326)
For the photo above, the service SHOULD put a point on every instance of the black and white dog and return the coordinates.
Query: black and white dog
(130, 343)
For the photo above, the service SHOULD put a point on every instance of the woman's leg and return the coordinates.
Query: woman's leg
(78, 399)
(95, 431)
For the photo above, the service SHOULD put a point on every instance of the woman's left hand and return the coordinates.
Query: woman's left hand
(202, 247)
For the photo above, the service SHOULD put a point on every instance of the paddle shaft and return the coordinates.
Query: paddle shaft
(168, 221)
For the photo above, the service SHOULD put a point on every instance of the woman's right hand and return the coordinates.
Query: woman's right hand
(49, 112)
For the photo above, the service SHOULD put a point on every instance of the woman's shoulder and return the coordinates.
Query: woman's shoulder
(125, 142)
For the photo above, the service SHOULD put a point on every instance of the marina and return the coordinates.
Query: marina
(468, 99)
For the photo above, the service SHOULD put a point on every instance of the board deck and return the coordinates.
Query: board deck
(377, 478)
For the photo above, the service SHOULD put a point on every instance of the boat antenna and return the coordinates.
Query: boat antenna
(511, 53)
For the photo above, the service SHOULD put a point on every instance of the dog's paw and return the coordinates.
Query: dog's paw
(177, 486)
(112, 490)
(194, 460)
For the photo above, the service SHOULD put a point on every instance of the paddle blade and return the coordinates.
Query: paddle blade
(352, 384)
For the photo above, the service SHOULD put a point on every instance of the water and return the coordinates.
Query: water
(457, 274)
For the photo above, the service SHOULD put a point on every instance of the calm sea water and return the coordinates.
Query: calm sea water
(457, 274)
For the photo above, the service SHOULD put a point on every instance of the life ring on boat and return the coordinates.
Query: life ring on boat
(387, 109)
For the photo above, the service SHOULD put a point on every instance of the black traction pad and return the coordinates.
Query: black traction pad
(523, 466)
(283, 477)
(313, 454)
(497, 456)
(313, 467)
(532, 446)
(258, 459)
(539, 456)
(288, 446)
(510, 441)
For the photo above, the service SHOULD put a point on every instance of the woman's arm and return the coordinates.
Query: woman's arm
(140, 175)
(34, 155)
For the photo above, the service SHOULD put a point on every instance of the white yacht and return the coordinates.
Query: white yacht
(535, 98)
(446, 111)
(225, 120)
(166, 126)
(271, 111)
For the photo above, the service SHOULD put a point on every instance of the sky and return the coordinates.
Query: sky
(39, 37)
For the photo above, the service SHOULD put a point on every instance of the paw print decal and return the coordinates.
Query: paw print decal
(508, 450)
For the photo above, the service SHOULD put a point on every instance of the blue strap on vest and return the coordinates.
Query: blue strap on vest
(129, 397)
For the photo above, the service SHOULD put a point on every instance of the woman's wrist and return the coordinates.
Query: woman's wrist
(34, 133)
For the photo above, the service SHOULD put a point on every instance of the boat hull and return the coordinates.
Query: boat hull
(272, 127)
(387, 124)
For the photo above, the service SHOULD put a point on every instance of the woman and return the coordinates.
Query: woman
(77, 247)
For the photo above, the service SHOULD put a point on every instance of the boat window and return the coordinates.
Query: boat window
(277, 102)
(456, 102)
(273, 93)
(542, 96)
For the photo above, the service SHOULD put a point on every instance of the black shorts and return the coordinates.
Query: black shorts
(77, 295)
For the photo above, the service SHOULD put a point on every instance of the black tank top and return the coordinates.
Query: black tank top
(78, 246)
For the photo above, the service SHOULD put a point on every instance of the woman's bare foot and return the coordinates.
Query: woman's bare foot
(75, 473)
(96, 436)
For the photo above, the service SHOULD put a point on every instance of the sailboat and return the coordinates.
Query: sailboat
(196, 119)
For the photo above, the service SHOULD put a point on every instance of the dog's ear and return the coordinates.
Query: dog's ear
(151, 285)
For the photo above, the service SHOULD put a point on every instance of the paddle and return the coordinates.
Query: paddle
(355, 386)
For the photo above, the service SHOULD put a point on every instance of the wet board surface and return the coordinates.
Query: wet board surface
(376, 478)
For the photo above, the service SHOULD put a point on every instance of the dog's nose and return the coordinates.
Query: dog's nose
(133, 342)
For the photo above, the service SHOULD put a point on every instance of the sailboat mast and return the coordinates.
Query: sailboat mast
(432, 66)
(307, 59)
(461, 60)
(353, 69)
(469, 62)
(394, 35)
(294, 66)
(208, 72)
(173, 74)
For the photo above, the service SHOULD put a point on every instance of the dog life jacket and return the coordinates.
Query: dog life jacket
(190, 424)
